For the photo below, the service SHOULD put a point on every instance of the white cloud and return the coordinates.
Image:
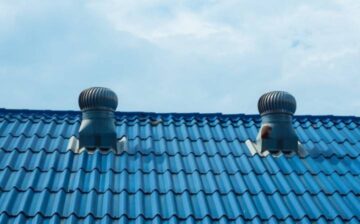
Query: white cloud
(174, 27)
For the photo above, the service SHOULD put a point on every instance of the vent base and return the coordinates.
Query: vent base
(255, 149)
(121, 146)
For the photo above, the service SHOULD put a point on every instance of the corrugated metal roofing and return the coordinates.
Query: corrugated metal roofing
(178, 168)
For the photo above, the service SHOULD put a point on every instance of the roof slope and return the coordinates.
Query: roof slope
(178, 168)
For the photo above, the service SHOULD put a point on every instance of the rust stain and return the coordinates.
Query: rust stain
(265, 131)
(156, 122)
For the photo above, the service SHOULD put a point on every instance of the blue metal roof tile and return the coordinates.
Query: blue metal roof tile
(179, 168)
(147, 183)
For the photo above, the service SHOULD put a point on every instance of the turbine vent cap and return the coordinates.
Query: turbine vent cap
(277, 102)
(98, 98)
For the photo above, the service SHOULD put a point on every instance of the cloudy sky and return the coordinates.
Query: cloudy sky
(181, 56)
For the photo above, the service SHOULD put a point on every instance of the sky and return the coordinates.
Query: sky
(181, 56)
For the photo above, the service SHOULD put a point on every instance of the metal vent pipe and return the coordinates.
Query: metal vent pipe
(97, 129)
(277, 133)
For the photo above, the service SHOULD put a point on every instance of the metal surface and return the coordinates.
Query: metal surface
(277, 102)
(178, 168)
(97, 129)
(277, 133)
(98, 98)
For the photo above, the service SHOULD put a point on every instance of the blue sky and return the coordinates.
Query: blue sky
(181, 56)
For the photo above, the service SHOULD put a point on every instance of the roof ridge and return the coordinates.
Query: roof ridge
(178, 114)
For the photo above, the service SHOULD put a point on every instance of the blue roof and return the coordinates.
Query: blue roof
(178, 168)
